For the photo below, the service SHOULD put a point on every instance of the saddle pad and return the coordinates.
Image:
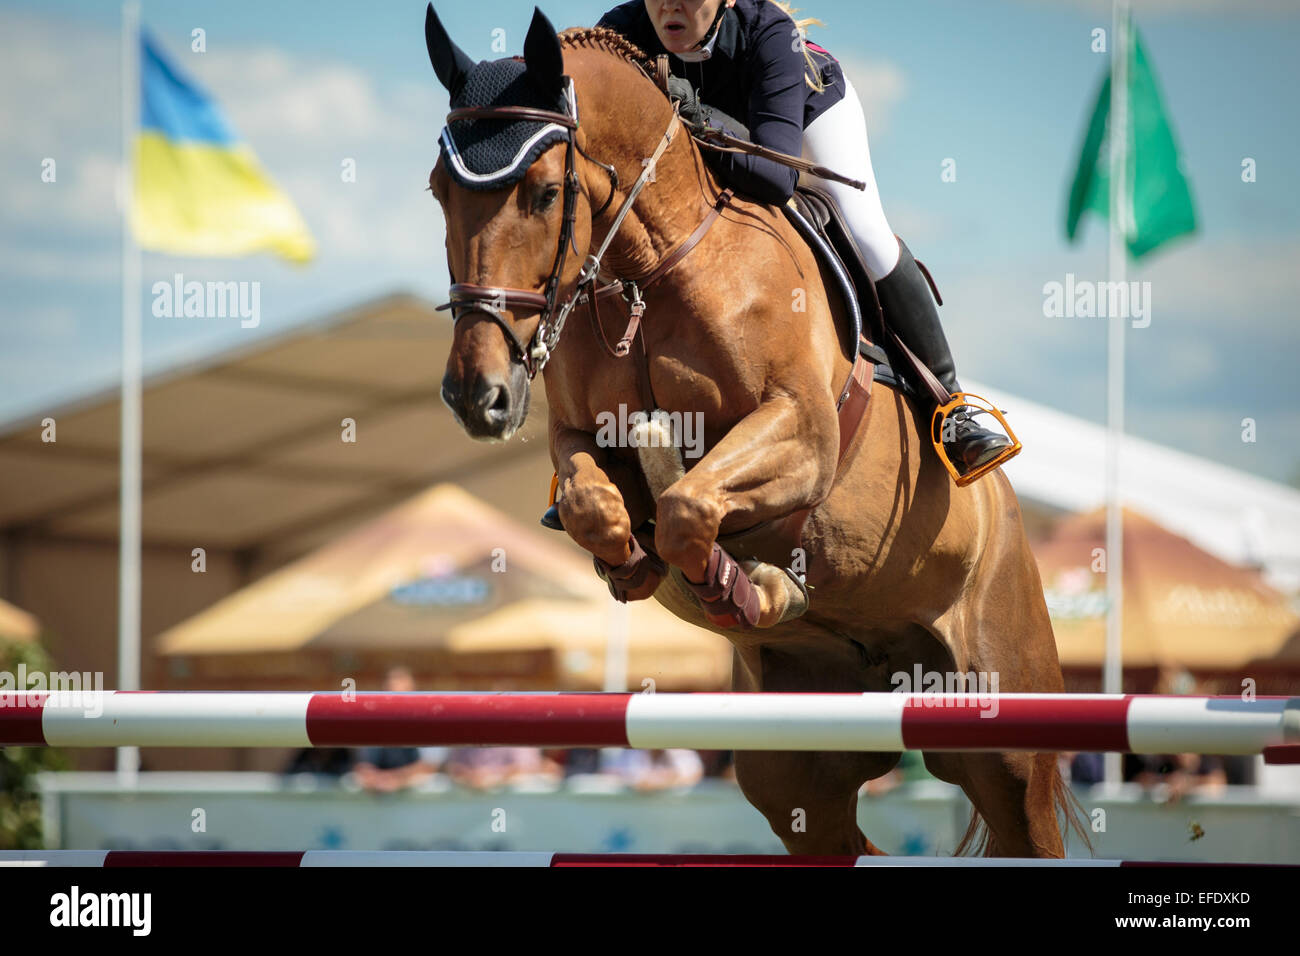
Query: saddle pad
(810, 217)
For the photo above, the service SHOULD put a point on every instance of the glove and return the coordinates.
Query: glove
(680, 89)
(698, 114)
(714, 118)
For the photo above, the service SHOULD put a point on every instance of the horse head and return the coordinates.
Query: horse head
(506, 155)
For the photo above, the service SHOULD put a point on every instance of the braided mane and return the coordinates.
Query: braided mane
(609, 41)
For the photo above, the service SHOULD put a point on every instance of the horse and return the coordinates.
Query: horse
(901, 568)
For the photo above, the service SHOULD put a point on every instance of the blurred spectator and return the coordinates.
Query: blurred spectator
(1175, 679)
(484, 768)
(1180, 774)
(1241, 769)
(654, 769)
(326, 761)
(385, 769)
(579, 760)
(879, 786)
(1084, 769)
(719, 763)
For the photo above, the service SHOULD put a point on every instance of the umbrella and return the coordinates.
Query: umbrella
(1182, 605)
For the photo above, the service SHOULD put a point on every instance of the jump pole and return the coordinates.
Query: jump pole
(839, 722)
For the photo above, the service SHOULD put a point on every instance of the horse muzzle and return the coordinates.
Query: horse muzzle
(491, 409)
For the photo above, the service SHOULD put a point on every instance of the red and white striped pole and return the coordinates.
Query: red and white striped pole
(843, 722)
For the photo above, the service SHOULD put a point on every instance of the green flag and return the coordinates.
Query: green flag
(1159, 199)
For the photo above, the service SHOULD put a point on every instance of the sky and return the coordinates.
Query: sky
(1002, 87)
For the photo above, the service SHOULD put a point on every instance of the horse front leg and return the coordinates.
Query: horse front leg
(594, 513)
(775, 461)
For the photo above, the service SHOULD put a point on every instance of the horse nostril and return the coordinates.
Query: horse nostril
(496, 403)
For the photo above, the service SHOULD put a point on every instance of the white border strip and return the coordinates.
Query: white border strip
(191, 719)
(866, 722)
(453, 155)
(1162, 725)
(53, 857)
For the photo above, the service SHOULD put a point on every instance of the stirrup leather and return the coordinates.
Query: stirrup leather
(981, 406)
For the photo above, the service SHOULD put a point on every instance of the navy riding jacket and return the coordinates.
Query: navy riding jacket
(756, 74)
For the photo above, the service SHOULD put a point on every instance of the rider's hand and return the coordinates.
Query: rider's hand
(680, 89)
(716, 119)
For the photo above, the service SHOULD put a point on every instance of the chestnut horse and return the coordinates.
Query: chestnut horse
(903, 568)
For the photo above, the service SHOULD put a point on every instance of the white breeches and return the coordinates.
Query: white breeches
(837, 139)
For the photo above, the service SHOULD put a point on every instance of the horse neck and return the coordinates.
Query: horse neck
(623, 119)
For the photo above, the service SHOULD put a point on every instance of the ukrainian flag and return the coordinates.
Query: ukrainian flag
(199, 191)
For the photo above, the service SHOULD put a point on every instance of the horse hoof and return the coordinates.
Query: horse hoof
(782, 597)
(637, 578)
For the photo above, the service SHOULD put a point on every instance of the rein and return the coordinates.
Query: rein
(722, 142)
(494, 302)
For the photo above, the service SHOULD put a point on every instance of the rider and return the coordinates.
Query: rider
(748, 58)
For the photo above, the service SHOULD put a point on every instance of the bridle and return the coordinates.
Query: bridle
(468, 297)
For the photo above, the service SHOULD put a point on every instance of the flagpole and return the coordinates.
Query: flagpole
(128, 590)
(1112, 675)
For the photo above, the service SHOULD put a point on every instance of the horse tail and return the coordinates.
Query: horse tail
(1071, 812)
(978, 838)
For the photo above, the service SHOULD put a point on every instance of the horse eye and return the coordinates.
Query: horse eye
(546, 199)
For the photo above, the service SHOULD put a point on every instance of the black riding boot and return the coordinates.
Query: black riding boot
(910, 311)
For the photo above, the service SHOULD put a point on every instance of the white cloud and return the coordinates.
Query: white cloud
(58, 85)
(302, 116)
(1214, 276)
(918, 225)
(57, 265)
(879, 85)
(272, 96)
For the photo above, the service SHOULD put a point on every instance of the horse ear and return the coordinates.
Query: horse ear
(450, 62)
(542, 53)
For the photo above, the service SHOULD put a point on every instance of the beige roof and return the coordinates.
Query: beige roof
(529, 592)
(1182, 605)
(243, 451)
(660, 647)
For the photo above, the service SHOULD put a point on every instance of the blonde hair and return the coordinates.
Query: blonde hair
(813, 75)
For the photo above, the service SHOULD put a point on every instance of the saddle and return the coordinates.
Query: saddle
(814, 214)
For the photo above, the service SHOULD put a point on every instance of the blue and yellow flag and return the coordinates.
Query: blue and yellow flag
(199, 191)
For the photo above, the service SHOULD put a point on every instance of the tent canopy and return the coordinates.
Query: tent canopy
(441, 577)
(1182, 605)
